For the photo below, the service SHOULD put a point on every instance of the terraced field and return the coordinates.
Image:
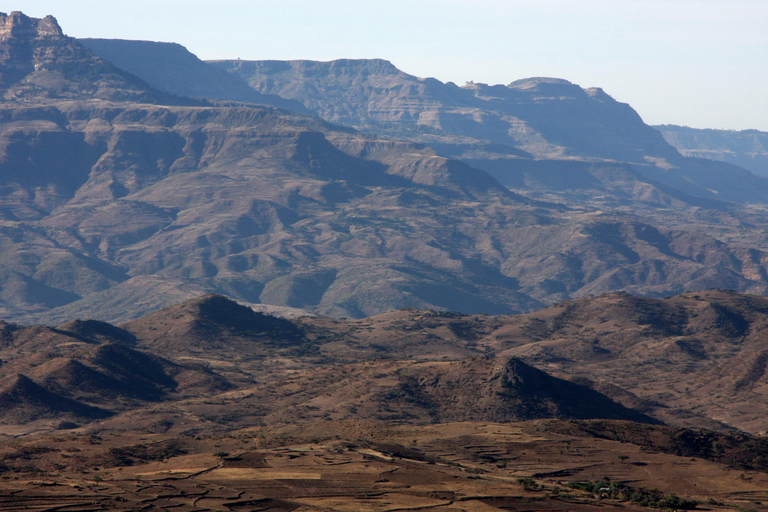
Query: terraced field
(351, 466)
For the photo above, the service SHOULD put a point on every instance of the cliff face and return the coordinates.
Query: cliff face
(541, 117)
(516, 132)
(18, 25)
(523, 133)
(172, 68)
(38, 62)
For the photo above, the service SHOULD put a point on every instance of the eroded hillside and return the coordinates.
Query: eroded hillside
(118, 199)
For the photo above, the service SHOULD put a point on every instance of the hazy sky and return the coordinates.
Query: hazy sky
(700, 63)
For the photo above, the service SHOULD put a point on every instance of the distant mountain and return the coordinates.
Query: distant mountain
(113, 205)
(531, 127)
(746, 148)
(38, 62)
(539, 117)
(165, 202)
(266, 171)
(172, 68)
(514, 132)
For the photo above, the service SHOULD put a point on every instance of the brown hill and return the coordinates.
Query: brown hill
(287, 371)
(693, 359)
(212, 324)
(23, 401)
(696, 359)
(97, 331)
(701, 355)
(97, 365)
(735, 449)
(509, 390)
(477, 389)
(114, 371)
(401, 392)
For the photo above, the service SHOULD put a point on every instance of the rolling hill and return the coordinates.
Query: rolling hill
(694, 360)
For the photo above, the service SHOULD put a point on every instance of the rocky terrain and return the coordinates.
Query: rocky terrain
(451, 266)
(701, 356)
(209, 404)
(516, 132)
(121, 199)
(211, 362)
(206, 352)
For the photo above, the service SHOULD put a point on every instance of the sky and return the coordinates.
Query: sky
(697, 63)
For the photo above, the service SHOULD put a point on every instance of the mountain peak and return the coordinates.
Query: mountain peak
(212, 322)
(38, 62)
(24, 400)
(19, 25)
(536, 80)
(548, 86)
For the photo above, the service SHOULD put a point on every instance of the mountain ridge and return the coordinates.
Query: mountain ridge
(491, 126)
(702, 356)
(745, 148)
(180, 72)
(113, 208)
(39, 62)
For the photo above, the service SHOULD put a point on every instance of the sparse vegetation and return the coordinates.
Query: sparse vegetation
(645, 497)
(528, 484)
(141, 453)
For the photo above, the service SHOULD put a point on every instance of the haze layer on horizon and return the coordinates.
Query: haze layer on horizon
(699, 63)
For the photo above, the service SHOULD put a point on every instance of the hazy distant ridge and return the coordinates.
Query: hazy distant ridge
(745, 148)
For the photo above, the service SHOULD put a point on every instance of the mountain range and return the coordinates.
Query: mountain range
(265, 285)
(745, 148)
(212, 362)
(121, 195)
